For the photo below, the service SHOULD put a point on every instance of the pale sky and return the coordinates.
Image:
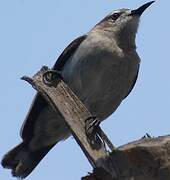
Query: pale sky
(34, 33)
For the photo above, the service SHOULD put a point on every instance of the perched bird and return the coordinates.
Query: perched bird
(100, 67)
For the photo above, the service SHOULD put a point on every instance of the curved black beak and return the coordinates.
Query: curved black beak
(140, 10)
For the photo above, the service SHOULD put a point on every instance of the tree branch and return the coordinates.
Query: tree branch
(61, 97)
(145, 159)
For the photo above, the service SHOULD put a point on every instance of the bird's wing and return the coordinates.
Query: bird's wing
(134, 82)
(39, 102)
(68, 52)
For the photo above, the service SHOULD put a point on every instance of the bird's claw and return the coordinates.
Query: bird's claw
(51, 77)
(91, 129)
(44, 69)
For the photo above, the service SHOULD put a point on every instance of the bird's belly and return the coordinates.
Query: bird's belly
(101, 85)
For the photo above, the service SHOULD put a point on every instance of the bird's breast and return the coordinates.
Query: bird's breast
(100, 78)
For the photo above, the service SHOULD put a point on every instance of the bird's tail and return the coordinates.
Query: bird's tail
(22, 161)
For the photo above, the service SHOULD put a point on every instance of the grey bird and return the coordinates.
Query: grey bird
(100, 67)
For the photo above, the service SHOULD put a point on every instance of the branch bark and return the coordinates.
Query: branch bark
(145, 159)
(61, 97)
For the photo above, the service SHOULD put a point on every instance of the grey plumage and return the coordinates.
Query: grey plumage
(100, 67)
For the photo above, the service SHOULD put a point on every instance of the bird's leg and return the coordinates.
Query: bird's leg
(106, 139)
(91, 129)
(51, 77)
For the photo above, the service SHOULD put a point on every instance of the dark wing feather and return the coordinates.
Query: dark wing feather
(68, 52)
(39, 103)
(134, 82)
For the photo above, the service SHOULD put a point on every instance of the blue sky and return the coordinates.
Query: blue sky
(34, 33)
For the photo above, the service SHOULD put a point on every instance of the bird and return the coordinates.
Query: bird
(101, 67)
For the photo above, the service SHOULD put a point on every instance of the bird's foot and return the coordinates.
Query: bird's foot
(52, 77)
(91, 129)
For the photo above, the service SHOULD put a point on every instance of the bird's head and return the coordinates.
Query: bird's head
(122, 24)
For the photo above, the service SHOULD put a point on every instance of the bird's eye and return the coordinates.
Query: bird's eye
(115, 16)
